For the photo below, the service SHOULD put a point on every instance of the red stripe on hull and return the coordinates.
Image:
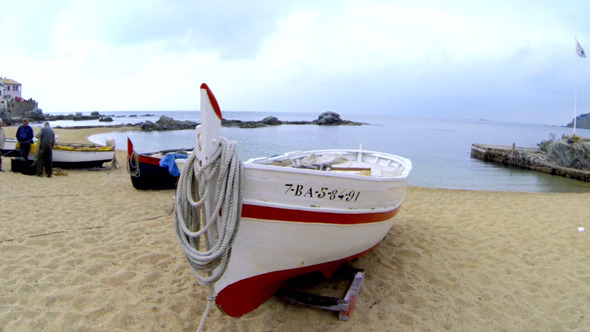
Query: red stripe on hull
(279, 214)
(149, 160)
(246, 295)
(142, 158)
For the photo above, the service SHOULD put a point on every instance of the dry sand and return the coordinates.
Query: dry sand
(85, 251)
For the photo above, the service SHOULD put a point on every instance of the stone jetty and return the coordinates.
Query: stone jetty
(566, 157)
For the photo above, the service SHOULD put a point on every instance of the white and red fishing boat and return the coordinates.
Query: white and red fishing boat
(287, 215)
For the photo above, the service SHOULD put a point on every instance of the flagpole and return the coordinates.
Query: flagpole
(576, 89)
(581, 54)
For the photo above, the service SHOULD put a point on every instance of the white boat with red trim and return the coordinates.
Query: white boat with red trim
(287, 215)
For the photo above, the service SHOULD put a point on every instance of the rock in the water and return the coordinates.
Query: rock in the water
(271, 121)
(36, 115)
(329, 118)
(251, 124)
(167, 123)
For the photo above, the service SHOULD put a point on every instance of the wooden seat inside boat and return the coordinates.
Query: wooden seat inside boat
(346, 162)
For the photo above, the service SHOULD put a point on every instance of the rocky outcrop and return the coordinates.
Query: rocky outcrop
(325, 119)
(15, 110)
(167, 123)
(568, 157)
(5, 116)
(570, 151)
(333, 119)
(35, 115)
(242, 124)
(329, 119)
(21, 108)
(271, 121)
(78, 116)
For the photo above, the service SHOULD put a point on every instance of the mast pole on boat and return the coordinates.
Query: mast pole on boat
(208, 133)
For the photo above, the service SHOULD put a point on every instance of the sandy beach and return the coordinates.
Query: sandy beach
(85, 251)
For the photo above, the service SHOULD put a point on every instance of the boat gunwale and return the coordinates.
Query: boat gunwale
(78, 147)
(405, 163)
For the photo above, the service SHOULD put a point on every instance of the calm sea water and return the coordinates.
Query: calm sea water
(439, 149)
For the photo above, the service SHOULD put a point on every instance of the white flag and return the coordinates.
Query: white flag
(580, 50)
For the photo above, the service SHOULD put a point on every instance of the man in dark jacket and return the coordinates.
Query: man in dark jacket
(45, 154)
(24, 136)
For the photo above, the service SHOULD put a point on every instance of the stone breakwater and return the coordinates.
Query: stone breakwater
(527, 158)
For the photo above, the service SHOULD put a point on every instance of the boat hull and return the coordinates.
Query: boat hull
(323, 220)
(80, 159)
(151, 176)
(69, 155)
(146, 172)
(10, 149)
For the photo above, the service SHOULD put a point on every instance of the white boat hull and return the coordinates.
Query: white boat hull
(295, 221)
(65, 154)
(74, 156)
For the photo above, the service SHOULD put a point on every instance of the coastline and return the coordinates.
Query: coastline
(84, 250)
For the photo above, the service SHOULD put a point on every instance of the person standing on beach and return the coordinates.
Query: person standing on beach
(45, 154)
(24, 136)
(1, 143)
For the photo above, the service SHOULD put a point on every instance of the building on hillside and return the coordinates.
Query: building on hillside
(2, 88)
(12, 89)
(12, 106)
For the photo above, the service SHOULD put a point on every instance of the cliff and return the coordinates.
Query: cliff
(582, 121)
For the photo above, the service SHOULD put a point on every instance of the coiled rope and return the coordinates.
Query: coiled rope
(133, 164)
(208, 257)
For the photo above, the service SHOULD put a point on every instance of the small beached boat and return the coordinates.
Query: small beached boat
(10, 149)
(282, 216)
(156, 170)
(68, 155)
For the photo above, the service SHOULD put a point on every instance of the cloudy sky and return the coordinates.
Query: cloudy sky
(496, 60)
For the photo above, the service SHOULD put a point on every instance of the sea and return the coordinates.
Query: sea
(440, 149)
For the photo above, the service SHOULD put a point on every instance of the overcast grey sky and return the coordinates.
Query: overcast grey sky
(496, 60)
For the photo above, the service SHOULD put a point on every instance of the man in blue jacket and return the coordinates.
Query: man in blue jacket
(24, 136)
